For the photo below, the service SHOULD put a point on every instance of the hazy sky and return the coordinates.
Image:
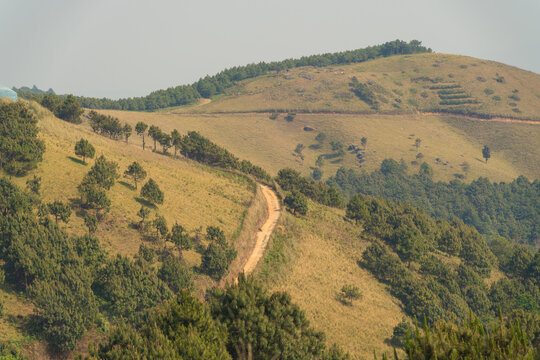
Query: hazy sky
(121, 48)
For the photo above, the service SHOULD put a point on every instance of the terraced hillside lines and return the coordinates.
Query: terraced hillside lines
(271, 143)
(323, 258)
(195, 196)
(399, 84)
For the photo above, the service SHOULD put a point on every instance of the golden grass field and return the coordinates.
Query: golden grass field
(319, 259)
(271, 143)
(398, 81)
(195, 196)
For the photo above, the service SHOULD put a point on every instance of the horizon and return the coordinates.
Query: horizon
(95, 49)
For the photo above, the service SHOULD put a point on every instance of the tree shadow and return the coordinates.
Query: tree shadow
(129, 186)
(76, 160)
(145, 203)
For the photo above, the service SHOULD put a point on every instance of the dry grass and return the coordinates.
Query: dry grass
(327, 89)
(195, 196)
(16, 310)
(321, 259)
(270, 143)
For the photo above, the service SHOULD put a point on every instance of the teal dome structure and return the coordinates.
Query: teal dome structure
(7, 93)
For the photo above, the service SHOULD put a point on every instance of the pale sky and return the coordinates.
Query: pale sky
(123, 48)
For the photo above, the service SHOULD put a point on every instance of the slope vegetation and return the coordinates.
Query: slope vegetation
(420, 82)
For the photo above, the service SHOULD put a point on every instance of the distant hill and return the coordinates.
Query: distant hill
(214, 85)
(426, 82)
(33, 90)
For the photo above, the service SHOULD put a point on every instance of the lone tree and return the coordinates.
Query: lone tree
(297, 202)
(176, 141)
(363, 141)
(160, 224)
(180, 238)
(140, 129)
(127, 130)
(417, 143)
(143, 214)
(165, 141)
(155, 134)
(60, 211)
(151, 192)
(349, 293)
(135, 172)
(486, 153)
(84, 149)
(356, 208)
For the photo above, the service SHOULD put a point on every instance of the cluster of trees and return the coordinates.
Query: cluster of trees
(74, 283)
(95, 184)
(435, 288)
(109, 126)
(242, 321)
(196, 147)
(64, 107)
(62, 275)
(514, 337)
(213, 85)
(291, 180)
(511, 210)
(20, 149)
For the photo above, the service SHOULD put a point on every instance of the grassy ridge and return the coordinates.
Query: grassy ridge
(400, 84)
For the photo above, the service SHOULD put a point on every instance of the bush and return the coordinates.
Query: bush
(349, 293)
(176, 274)
(297, 202)
(216, 259)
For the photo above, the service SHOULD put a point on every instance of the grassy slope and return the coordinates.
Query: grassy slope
(327, 89)
(195, 196)
(270, 143)
(313, 263)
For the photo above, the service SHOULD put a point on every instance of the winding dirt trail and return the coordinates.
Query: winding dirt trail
(264, 233)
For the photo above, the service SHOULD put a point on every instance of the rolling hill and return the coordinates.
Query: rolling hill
(308, 118)
(323, 101)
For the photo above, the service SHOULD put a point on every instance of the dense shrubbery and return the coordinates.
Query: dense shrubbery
(515, 337)
(291, 180)
(437, 287)
(510, 209)
(65, 107)
(20, 149)
(217, 84)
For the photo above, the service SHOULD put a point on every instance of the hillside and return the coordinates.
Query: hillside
(419, 82)
(312, 258)
(323, 102)
(196, 196)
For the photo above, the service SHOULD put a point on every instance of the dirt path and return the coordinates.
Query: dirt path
(264, 233)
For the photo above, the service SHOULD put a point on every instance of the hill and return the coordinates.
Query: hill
(196, 196)
(408, 91)
(419, 82)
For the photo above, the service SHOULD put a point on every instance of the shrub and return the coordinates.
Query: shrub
(349, 293)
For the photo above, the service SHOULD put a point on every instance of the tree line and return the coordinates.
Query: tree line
(511, 210)
(193, 145)
(213, 85)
